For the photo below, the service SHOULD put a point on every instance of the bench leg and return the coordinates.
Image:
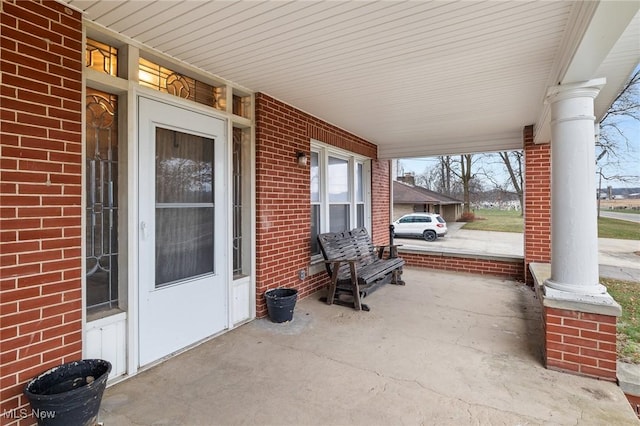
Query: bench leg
(396, 277)
(355, 288)
(331, 294)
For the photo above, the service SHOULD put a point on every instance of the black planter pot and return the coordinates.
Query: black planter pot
(280, 303)
(69, 394)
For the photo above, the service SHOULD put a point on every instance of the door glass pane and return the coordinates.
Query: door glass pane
(184, 167)
(338, 217)
(184, 206)
(338, 180)
(184, 243)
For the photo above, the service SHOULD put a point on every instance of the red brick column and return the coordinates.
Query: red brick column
(581, 343)
(381, 201)
(40, 196)
(537, 202)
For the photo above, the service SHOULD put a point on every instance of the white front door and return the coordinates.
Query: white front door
(182, 273)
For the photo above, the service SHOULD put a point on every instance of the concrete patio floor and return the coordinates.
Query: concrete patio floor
(446, 349)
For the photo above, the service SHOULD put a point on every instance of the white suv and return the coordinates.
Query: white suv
(429, 226)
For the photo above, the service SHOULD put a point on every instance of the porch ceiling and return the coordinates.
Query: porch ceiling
(416, 78)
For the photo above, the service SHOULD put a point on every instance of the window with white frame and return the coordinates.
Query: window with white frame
(339, 191)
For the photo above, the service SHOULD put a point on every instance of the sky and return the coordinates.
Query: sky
(629, 161)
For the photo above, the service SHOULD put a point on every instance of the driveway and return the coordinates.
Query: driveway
(460, 240)
(617, 258)
(629, 217)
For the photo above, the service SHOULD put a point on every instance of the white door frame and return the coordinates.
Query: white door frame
(135, 91)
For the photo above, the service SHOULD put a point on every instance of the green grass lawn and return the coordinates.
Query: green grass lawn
(496, 220)
(511, 221)
(619, 229)
(627, 294)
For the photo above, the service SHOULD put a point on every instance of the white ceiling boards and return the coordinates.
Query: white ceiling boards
(417, 78)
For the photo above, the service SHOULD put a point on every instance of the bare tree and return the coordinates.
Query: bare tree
(439, 176)
(613, 144)
(513, 162)
(445, 173)
(465, 175)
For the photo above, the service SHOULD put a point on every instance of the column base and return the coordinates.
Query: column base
(591, 290)
(579, 330)
(596, 298)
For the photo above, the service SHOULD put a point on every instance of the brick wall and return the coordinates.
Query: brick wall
(40, 195)
(283, 218)
(537, 202)
(580, 343)
(381, 201)
(511, 269)
(635, 403)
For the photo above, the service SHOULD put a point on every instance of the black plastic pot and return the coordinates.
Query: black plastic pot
(280, 303)
(69, 394)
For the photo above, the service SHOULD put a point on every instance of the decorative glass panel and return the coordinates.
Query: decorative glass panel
(237, 200)
(102, 200)
(101, 57)
(184, 206)
(242, 105)
(338, 180)
(338, 217)
(166, 80)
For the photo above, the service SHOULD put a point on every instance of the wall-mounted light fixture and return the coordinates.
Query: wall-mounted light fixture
(302, 158)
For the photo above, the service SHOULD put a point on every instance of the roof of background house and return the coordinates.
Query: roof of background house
(406, 194)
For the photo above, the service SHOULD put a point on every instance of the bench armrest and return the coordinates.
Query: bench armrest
(393, 250)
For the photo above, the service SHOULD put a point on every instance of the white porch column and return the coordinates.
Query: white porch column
(574, 226)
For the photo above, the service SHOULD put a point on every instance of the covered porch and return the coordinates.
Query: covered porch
(447, 348)
(288, 90)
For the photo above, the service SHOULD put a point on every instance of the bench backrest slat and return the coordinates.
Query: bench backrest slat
(354, 244)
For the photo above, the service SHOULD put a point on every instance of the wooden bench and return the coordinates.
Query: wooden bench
(355, 267)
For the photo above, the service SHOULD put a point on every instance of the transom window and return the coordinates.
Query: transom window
(339, 191)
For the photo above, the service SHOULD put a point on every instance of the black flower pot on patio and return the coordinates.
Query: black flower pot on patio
(69, 394)
(280, 303)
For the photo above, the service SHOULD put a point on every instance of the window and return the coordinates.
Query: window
(339, 192)
(101, 188)
(101, 57)
(241, 202)
(166, 80)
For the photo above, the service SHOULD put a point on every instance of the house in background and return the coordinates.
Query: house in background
(409, 198)
(163, 164)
